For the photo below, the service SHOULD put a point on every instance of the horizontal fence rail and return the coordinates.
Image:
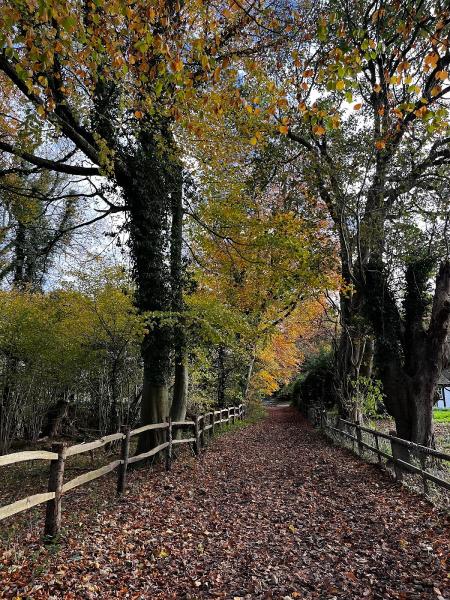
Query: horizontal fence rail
(397, 452)
(60, 452)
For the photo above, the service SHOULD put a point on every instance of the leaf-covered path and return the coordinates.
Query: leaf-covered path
(269, 511)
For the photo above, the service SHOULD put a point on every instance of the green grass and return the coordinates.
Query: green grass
(441, 415)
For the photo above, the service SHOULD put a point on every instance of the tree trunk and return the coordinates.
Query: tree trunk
(180, 391)
(54, 418)
(409, 358)
(181, 383)
(147, 194)
(154, 408)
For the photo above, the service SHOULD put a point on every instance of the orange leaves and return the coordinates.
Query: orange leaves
(319, 130)
(431, 60)
(380, 144)
(442, 75)
(283, 129)
(177, 65)
(357, 106)
(377, 15)
(421, 112)
(437, 89)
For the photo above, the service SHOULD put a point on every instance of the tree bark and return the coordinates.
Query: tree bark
(181, 382)
(147, 194)
(55, 417)
(409, 357)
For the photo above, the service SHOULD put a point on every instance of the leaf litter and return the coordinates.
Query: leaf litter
(270, 511)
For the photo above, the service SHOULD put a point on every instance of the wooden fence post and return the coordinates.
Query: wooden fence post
(202, 431)
(423, 466)
(228, 416)
(396, 453)
(359, 437)
(169, 447)
(233, 416)
(55, 484)
(213, 422)
(197, 436)
(377, 444)
(124, 454)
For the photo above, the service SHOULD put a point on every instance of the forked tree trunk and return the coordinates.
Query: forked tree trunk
(409, 357)
(147, 194)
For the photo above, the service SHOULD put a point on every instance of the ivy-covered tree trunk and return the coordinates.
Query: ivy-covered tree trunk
(409, 356)
(353, 352)
(148, 200)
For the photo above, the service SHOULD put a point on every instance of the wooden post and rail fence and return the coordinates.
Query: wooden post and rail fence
(201, 425)
(401, 451)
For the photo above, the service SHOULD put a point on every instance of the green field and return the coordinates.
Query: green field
(441, 415)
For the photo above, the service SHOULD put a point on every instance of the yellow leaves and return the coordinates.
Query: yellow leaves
(163, 553)
(292, 528)
(335, 121)
(377, 88)
(442, 75)
(256, 138)
(380, 144)
(205, 62)
(340, 85)
(318, 130)
(283, 129)
(40, 111)
(395, 79)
